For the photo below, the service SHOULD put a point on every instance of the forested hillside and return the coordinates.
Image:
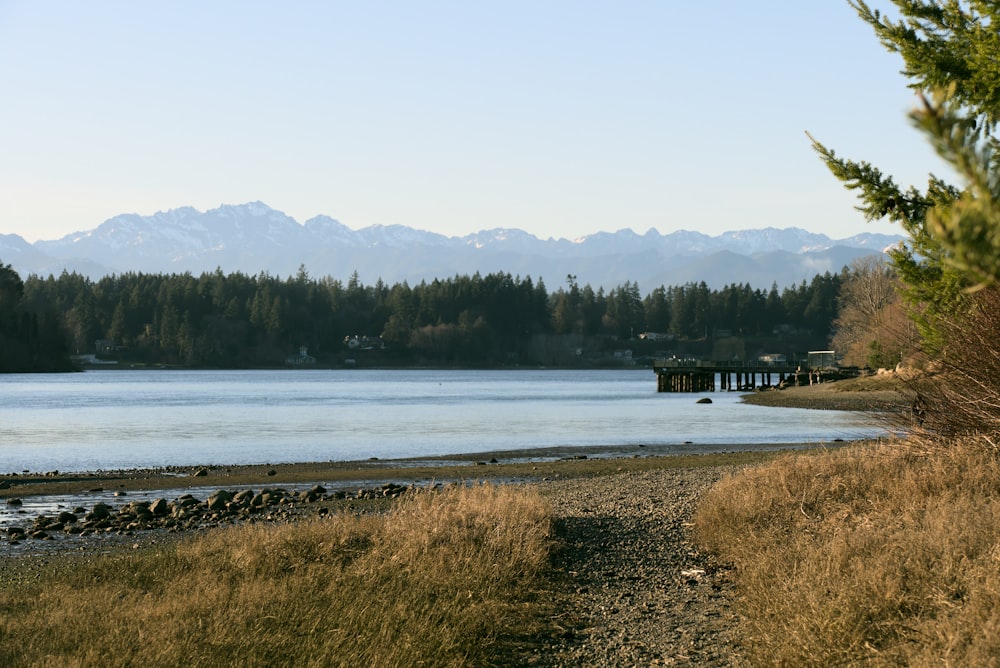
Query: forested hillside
(239, 320)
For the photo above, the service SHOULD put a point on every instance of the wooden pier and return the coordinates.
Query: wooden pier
(674, 375)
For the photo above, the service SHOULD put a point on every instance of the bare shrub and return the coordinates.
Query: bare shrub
(872, 327)
(963, 396)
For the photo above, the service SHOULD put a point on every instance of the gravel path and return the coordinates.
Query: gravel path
(643, 595)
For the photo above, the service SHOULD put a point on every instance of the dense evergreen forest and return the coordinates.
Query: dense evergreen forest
(237, 320)
(30, 339)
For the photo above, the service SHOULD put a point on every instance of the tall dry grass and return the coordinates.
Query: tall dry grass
(877, 555)
(440, 580)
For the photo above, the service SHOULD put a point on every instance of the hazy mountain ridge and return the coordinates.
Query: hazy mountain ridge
(253, 237)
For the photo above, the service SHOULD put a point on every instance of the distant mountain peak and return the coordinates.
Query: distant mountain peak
(253, 237)
(255, 208)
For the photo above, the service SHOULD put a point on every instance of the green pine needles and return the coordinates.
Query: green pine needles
(950, 52)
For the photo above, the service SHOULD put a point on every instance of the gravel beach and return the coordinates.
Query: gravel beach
(641, 593)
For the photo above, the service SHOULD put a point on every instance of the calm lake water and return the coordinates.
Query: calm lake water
(128, 419)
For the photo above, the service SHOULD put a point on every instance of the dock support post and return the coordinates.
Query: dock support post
(728, 376)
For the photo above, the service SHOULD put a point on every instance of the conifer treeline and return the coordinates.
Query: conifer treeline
(239, 320)
(29, 340)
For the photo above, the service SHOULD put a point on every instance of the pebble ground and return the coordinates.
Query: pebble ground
(641, 593)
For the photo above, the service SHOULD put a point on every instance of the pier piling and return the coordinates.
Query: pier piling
(674, 375)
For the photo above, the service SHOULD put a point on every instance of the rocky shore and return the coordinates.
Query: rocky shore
(55, 513)
(187, 512)
(62, 538)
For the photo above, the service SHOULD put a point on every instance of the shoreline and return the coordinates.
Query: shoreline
(29, 501)
(499, 464)
(633, 586)
(81, 516)
(873, 394)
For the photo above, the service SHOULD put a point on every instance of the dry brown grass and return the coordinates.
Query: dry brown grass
(439, 580)
(869, 555)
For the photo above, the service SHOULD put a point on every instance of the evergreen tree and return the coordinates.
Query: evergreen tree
(774, 309)
(949, 51)
(657, 309)
(11, 291)
(30, 337)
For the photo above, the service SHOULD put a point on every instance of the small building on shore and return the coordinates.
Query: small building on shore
(302, 359)
(821, 359)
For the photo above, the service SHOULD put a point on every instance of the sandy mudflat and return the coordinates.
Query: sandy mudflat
(865, 394)
(513, 466)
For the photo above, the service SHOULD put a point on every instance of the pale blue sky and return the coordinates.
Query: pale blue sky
(558, 118)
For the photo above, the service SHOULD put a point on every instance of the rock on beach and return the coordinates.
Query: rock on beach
(187, 512)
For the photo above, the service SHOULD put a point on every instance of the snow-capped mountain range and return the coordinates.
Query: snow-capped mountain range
(253, 237)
